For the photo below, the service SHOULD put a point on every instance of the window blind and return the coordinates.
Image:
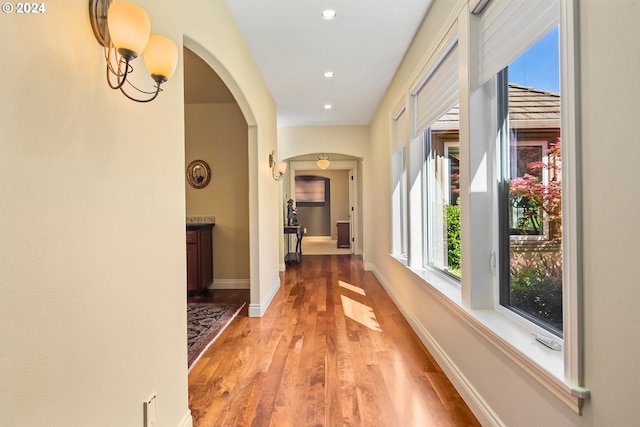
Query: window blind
(510, 27)
(439, 93)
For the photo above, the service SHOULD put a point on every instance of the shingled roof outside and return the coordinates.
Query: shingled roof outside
(529, 108)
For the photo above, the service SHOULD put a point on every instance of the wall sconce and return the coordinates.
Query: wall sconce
(124, 29)
(280, 166)
(323, 161)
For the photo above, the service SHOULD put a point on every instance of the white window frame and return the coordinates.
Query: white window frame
(447, 145)
(398, 157)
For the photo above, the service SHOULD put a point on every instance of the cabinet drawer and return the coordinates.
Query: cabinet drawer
(192, 236)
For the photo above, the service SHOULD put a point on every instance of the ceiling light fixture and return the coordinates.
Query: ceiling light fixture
(124, 29)
(328, 106)
(329, 14)
(323, 161)
(329, 74)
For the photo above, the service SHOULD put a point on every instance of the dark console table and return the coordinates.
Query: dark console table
(296, 256)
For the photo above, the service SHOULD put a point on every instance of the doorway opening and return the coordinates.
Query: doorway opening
(327, 203)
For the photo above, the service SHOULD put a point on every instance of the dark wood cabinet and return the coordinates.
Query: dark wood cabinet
(199, 256)
(344, 234)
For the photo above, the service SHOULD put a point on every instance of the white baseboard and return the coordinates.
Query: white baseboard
(187, 421)
(258, 310)
(230, 284)
(478, 405)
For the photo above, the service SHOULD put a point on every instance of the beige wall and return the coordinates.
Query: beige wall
(92, 261)
(92, 208)
(217, 134)
(299, 140)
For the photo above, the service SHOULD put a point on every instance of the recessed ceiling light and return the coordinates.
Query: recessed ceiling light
(329, 14)
(327, 106)
(329, 74)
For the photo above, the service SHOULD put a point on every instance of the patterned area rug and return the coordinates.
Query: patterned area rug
(205, 321)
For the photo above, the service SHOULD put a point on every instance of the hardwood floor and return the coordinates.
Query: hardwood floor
(332, 350)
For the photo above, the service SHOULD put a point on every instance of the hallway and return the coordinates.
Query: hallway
(332, 350)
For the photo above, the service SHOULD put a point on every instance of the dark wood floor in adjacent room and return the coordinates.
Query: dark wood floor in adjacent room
(332, 350)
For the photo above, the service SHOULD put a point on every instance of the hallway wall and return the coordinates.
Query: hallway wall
(92, 259)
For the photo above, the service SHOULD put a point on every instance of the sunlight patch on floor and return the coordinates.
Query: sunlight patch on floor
(361, 313)
(352, 288)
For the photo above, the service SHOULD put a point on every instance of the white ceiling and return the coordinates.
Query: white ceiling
(293, 46)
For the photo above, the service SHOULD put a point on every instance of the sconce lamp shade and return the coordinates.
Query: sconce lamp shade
(129, 26)
(282, 168)
(161, 56)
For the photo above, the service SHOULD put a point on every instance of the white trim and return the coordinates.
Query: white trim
(571, 193)
(187, 420)
(230, 284)
(478, 405)
(258, 310)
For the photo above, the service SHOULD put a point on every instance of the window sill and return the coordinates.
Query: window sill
(516, 342)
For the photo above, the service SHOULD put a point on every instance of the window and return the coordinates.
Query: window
(443, 195)
(497, 206)
(436, 105)
(531, 190)
(528, 171)
(400, 130)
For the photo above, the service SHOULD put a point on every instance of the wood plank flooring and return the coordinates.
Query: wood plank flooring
(332, 350)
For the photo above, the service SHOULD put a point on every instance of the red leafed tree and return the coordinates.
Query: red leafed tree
(537, 197)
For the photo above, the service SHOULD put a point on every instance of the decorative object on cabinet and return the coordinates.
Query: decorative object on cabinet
(198, 174)
(199, 256)
(292, 214)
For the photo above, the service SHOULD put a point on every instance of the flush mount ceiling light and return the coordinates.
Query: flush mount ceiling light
(323, 161)
(328, 106)
(124, 29)
(329, 14)
(329, 74)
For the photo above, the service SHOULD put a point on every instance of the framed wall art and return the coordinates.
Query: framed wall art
(198, 174)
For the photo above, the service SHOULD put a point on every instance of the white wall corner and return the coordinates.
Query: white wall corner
(478, 405)
(258, 310)
(187, 421)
